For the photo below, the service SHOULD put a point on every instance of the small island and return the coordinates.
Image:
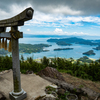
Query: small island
(97, 48)
(88, 53)
(58, 49)
(62, 43)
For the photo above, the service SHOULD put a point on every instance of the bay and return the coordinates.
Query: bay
(75, 53)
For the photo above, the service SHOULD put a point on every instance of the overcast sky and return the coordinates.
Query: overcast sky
(58, 17)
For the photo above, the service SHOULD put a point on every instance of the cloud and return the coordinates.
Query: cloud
(60, 10)
(28, 29)
(55, 15)
(50, 20)
(58, 30)
(65, 7)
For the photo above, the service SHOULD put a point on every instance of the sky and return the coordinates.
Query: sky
(56, 17)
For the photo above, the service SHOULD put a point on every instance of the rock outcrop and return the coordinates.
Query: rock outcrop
(52, 73)
(86, 92)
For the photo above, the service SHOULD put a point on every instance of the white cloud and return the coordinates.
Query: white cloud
(58, 30)
(51, 20)
(28, 29)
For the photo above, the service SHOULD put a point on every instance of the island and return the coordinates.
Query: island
(74, 40)
(88, 53)
(58, 49)
(62, 43)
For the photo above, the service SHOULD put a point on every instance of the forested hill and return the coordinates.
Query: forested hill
(75, 40)
(28, 48)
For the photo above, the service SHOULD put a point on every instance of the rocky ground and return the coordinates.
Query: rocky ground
(81, 82)
(60, 84)
(84, 89)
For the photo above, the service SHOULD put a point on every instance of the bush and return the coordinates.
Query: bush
(90, 71)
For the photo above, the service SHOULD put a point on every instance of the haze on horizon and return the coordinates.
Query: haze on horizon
(56, 17)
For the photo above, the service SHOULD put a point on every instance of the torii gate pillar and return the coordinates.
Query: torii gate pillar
(18, 93)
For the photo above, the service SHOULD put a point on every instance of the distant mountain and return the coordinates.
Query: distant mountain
(44, 36)
(74, 40)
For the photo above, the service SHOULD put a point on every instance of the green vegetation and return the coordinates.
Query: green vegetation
(29, 48)
(50, 90)
(85, 59)
(90, 71)
(5, 63)
(62, 43)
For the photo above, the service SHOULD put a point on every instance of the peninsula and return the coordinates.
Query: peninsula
(62, 43)
(29, 48)
(97, 48)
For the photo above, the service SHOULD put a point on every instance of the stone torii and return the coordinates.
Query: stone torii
(13, 35)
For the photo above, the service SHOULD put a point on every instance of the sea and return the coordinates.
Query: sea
(75, 53)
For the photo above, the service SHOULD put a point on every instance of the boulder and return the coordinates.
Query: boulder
(52, 73)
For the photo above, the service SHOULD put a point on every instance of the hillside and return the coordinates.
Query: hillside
(28, 48)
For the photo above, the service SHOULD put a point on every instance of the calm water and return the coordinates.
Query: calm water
(75, 53)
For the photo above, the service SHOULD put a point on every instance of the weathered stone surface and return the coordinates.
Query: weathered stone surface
(46, 97)
(2, 97)
(51, 72)
(49, 98)
(61, 91)
(92, 95)
(84, 98)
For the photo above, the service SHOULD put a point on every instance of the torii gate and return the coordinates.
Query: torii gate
(13, 35)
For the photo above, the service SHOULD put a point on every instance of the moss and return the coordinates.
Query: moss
(50, 89)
